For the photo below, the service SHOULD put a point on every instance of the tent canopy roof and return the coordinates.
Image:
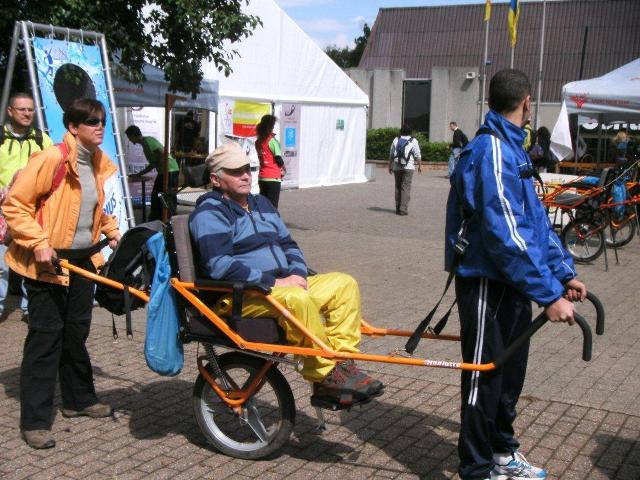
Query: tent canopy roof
(612, 97)
(280, 63)
(152, 92)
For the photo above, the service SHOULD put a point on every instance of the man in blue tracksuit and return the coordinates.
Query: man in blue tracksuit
(513, 257)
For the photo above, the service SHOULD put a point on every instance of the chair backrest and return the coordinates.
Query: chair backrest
(603, 176)
(195, 176)
(184, 249)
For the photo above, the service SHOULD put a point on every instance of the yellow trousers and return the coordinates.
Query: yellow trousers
(334, 296)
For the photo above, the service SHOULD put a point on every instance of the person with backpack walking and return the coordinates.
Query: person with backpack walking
(404, 156)
(460, 141)
(505, 254)
(56, 202)
(18, 140)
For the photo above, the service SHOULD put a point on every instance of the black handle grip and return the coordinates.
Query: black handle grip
(597, 304)
(587, 337)
(540, 320)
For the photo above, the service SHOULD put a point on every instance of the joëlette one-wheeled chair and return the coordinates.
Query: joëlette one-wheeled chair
(242, 402)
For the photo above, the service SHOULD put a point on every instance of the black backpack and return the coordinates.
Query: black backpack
(34, 133)
(131, 264)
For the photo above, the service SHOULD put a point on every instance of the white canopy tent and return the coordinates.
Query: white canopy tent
(280, 64)
(613, 97)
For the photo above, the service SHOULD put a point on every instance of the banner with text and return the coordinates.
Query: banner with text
(290, 137)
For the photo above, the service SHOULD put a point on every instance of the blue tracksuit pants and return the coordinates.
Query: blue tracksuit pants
(492, 315)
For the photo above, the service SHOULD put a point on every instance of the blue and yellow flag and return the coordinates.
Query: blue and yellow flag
(487, 11)
(514, 13)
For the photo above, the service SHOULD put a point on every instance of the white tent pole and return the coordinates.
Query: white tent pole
(9, 73)
(539, 88)
(484, 70)
(32, 75)
(116, 133)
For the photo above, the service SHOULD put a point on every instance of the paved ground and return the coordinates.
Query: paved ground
(581, 420)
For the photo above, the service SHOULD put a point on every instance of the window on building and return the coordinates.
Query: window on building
(416, 105)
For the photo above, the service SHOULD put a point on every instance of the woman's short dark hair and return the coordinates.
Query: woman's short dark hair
(82, 109)
(507, 89)
(265, 126)
(405, 130)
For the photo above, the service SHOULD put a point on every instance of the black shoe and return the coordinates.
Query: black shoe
(341, 388)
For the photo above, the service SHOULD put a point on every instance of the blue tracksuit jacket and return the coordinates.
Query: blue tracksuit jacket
(511, 238)
(233, 244)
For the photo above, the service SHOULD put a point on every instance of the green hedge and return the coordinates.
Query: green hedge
(379, 141)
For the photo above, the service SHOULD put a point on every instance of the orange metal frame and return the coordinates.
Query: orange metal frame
(237, 396)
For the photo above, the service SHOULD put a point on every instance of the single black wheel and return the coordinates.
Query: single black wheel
(624, 232)
(583, 239)
(263, 424)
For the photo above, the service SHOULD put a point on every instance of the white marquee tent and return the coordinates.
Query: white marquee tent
(280, 64)
(613, 97)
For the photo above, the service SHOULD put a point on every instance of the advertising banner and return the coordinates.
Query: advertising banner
(238, 120)
(290, 138)
(246, 116)
(69, 70)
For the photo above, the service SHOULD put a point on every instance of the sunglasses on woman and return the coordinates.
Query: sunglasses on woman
(94, 121)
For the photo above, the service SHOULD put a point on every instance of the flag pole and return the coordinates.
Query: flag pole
(539, 88)
(484, 69)
(513, 50)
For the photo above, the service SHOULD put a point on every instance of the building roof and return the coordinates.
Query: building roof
(416, 39)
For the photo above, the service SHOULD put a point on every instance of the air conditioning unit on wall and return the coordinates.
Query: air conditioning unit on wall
(470, 75)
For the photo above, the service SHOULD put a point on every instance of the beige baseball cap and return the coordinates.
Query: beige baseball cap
(229, 156)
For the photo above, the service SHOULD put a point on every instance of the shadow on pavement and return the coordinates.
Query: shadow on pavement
(420, 448)
(616, 457)
(380, 209)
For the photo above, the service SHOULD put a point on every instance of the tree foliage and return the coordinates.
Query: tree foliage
(349, 57)
(174, 35)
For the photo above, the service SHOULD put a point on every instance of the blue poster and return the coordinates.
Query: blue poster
(290, 137)
(67, 71)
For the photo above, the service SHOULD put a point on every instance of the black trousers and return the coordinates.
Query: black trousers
(492, 315)
(59, 322)
(271, 190)
(155, 212)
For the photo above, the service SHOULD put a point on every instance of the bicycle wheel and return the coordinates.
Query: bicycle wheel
(583, 240)
(266, 420)
(624, 234)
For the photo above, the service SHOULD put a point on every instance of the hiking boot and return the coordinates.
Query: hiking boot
(341, 388)
(375, 387)
(517, 469)
(97, 410)
(38, 439)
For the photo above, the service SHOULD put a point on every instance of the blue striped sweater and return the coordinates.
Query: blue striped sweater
(234, 244)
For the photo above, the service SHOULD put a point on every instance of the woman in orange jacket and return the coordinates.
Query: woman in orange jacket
(57, 202)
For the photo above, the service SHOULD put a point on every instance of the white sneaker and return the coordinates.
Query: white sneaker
(517, 469)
